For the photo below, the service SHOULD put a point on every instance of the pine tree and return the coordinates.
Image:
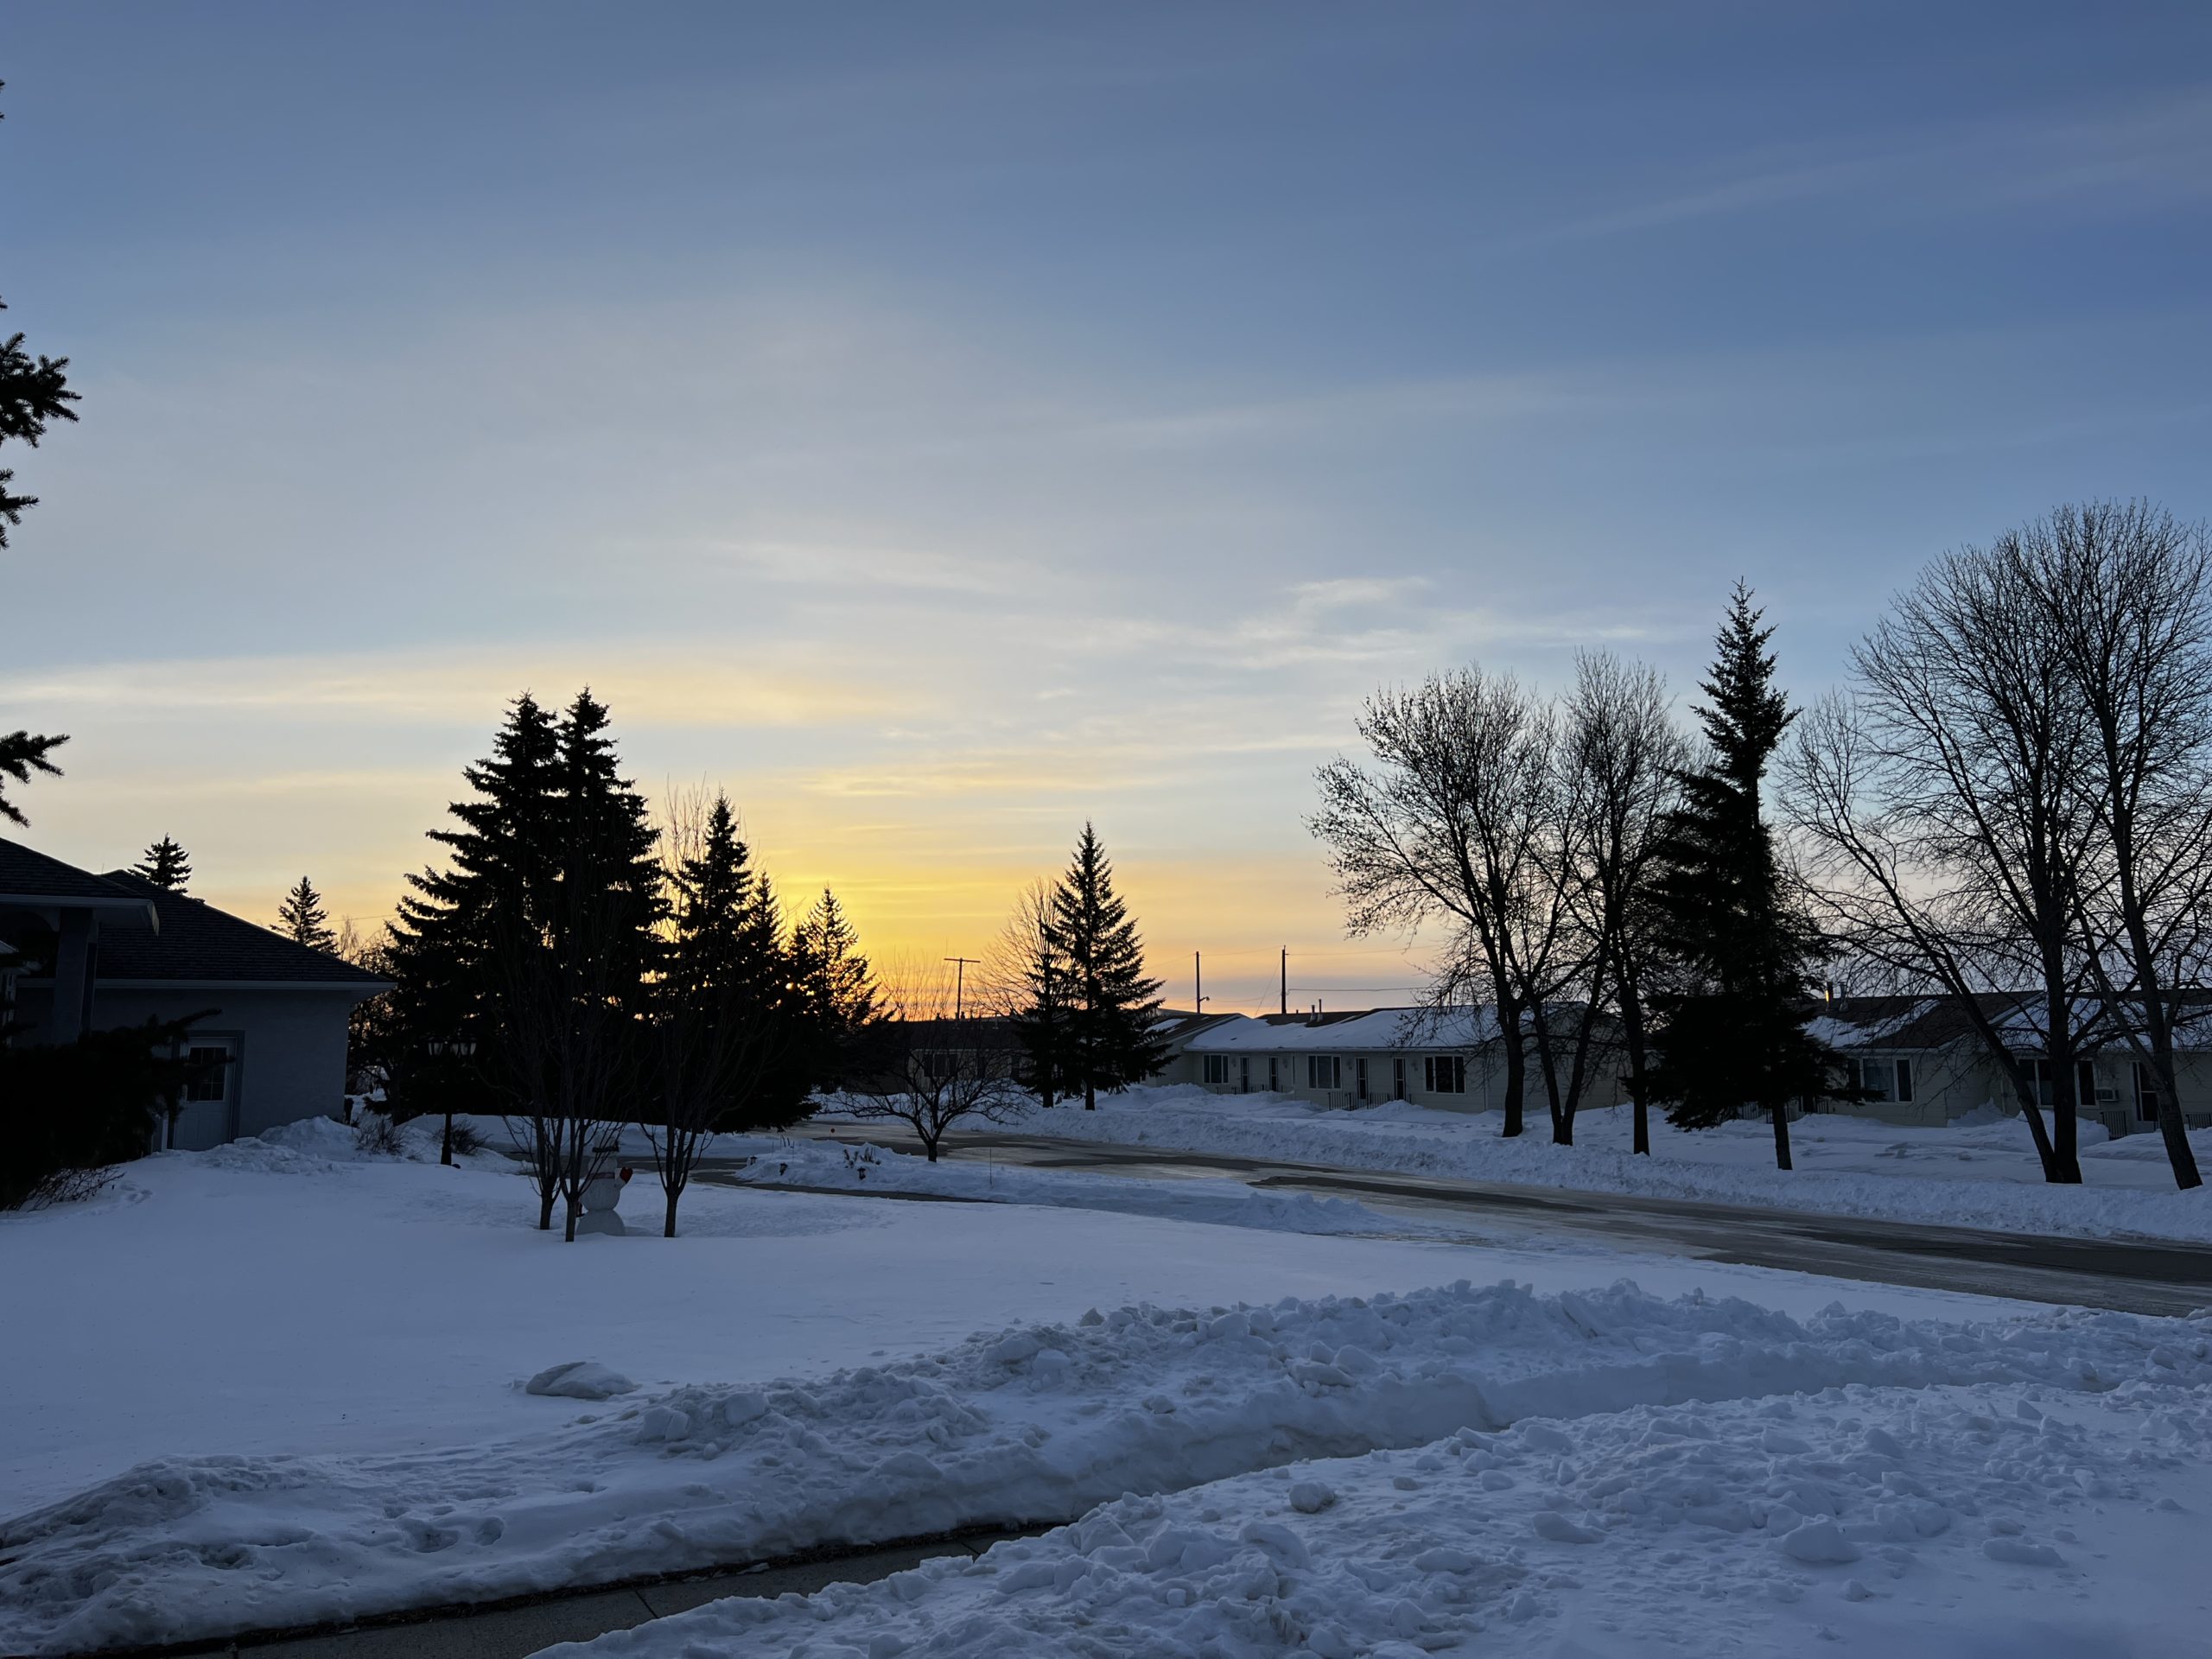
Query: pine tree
(33, 393)
(609, 879)
(500, 877)
(165, 865)
(728, 963)
(834, 987)
(302, 919)
(1041, 1017)
(1739, 954)
(1111, 1006)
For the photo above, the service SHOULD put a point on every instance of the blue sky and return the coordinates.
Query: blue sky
(940, 424)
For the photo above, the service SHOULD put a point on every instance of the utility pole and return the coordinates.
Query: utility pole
(1285, 979)
(1197, 983)
(960, 979)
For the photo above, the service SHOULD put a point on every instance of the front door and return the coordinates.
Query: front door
(209, 1113)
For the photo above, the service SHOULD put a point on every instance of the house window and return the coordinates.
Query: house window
(210, 1072)
(2085, 1083)
(1398, 1077)
(1245, 1074)
(1216, 1069)
(1324, 1071)
(2146, 1094)
(1273, 1082)
(1359, 1077)
(1445, 1074)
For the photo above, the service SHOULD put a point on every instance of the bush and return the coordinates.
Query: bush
(82, 1106)
(67, 1187)
(466, 1140)
(378, 1136)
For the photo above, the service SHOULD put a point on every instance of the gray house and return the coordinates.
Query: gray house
(81, 952)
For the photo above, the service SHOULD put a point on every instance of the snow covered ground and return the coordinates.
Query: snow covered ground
(1969, 1175)
(2029, 1522)
(296, 1396)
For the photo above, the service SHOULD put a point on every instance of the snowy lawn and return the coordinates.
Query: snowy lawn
(314, 1363)
(1982, 1175)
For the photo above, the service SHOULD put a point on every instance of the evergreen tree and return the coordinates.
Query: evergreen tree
(834, 987)
(33, 393)
(728, 964)
(302, 919)
(1037, 967)
(1110, 1005)
(1739, 954)
(441, 950)
(165, 865)
(609, 880)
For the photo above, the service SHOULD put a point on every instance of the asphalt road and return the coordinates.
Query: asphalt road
(2140, 1277)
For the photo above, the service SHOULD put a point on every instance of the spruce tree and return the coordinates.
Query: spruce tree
(302, 919)
(728, 963)
(834, 985)
(33, 393)
(1738, 953)
(1041, 1021)
(499, 878)
(1111, 1006)
(609, 879)
(165, 865)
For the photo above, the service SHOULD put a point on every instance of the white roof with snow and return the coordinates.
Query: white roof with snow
(1458, 1028)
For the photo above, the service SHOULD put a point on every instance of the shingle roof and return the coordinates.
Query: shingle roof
(199, 942)
(29, 876)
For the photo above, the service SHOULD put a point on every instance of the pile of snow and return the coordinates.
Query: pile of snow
(1857, 1520)
(1027, 1423)
(1980, 1175)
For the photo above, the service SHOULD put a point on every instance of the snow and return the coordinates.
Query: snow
(1970, 1175)
(305, 1395)
(1045, 1421)
(1902, 1523)
(1451, 1029)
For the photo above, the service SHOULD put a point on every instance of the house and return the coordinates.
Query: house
(1453, 1061)
(1920, 1061)
(83, 952)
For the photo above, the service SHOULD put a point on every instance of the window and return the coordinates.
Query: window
(1216, 1070)
(1273, 1082)
(2146, 1094)
(2085, 1083)
(210, 1074)
(1398, 1078)
(1445, 1074)
(1359, 1077)
(1245, 1074)
(1324, 1071)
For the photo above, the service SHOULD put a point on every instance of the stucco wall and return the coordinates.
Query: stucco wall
(290, 1044)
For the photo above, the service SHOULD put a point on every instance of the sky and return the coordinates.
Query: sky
(941, 425)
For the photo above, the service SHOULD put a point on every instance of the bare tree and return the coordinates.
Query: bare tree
(2122, 593)
(1026, 980)
(1619, 751)
(1943, 816)
(922, 1066)
(568, 1047)
(1452, 826)
(710, 1056)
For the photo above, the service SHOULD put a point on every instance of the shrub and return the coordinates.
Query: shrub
(84, 1105)
(378, 1136)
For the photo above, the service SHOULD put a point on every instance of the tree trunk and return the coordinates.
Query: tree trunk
(1633, 1021)
(1781, 1114)
(445, 1146)
(545, 1211)
(569, 1236)
(929, 1146)
(2031, 1110)
(1517, 1068)
(1090, 1095)
(668, 1230)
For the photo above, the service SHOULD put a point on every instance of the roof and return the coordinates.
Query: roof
(28, 877)
(1371, 1028)
(1933, 1022)
(197, 942)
